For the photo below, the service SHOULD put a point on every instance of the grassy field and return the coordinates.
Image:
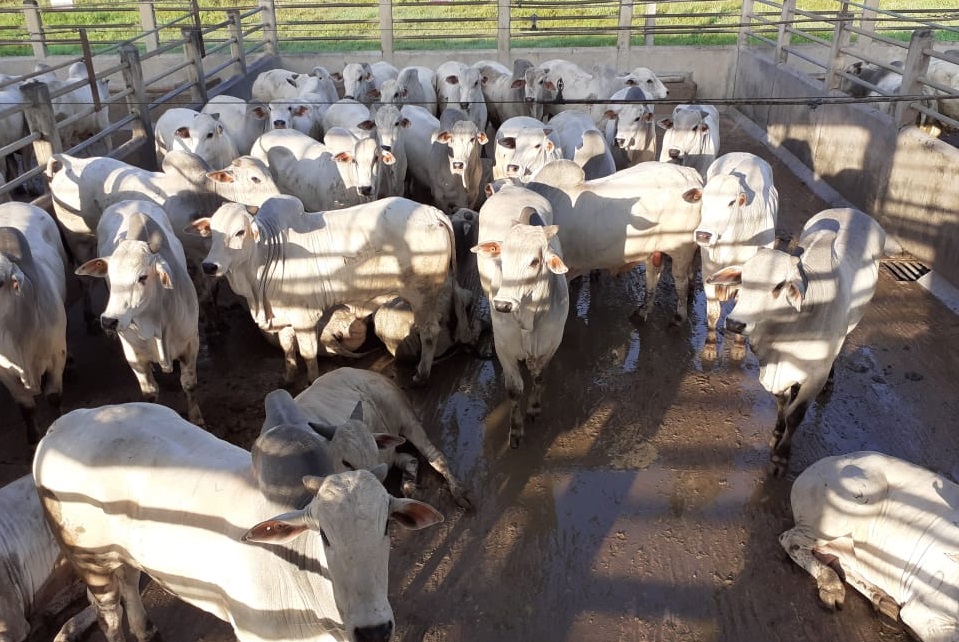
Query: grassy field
(354, 25)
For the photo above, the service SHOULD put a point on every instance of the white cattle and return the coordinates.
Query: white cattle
(33, 319)
(296, 142)
(35, 580)
(331, 401)
(557, 85)
(632, 217)
(392, 246)
(946, 73)
(346, 174)
(504, 89)
(418, 144)
(583, 143)
(302, 113)
(276, 83)
(630, 128)
(153, 304)
(523, 275)
(200, 133)
(460, 86)
(171, 500)
(391, 132)
(455, 167)
(644, 78)
(322, 82)
(413, 86)
(692, 136)
(886, 527)
(78, 100)
(350, 114)
(523, 145)
(244, 122)
(738, 216)
(362, 81)
(796, 311)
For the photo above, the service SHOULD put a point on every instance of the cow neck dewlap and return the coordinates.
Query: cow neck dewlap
(271, 249)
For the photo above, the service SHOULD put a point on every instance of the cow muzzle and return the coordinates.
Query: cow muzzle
(465, 107)
(109, 323)
(210, 269)
(365, 190)
(674, 153)
(734, 326)
(279, 124)
(512, 170)
(378, 633)
(703, 237)
(458, 166)
(505, 307)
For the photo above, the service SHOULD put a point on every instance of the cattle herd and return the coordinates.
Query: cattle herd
(334, 205)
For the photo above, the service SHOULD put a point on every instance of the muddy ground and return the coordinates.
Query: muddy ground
(638, 508)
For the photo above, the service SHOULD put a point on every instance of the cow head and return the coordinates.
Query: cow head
(526, 152)
(463, 141)
(354, 447)
(246, 180)
(234, 234)
(349, 513)
(688, 135)
(720, 216)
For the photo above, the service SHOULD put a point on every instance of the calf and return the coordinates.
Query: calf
(886, 527)
(523, 276)
(796, 311)
(33, 319)
(152, 305)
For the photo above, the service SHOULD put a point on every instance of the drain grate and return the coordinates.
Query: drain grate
(905, 269)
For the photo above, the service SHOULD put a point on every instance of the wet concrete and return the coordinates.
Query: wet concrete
(638, 508)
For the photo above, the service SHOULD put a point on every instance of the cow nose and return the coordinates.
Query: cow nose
(279, 124)
(465, 106)
(503, 306)
(702, 237)
(529, 100)
(674, 153)
(349, 96)
(512, 169)
(378, 633)
(458, 165)
(736, 327)
(109, 323)
(210, 269)
(366, 190)
(621, 143)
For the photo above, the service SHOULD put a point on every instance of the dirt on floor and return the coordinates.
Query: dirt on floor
(638, 508)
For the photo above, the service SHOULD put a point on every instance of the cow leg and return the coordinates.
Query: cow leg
(188, 381)
(713, 311)
(29, 413)
(791, 413)
(680, 271)
(287, 339)
(104, 593)
(53, 384)
(140, 625)
(409, 465)
(513, 378)
(429, 333)
(738, 349)
(654, 268)
(534, 404)
(308, 344)
(798, 545)
(143, 371)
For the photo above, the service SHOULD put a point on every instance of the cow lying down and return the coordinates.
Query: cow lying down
(886, 527)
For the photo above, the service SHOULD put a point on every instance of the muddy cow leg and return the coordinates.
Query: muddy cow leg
(790, 416)
(129, 584)
(798, 545)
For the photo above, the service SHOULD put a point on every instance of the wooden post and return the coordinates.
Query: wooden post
(745, 22)
(31, 11)
(235, 29)
(916, 65)
(268, 18)
(868, 21)
(195, 10)
(840, 40)
(41, 120)
(503, 32)
(137, 101)
(148, 24)
(386, 29)
(784, 39)
(624, 35)
(194, 71)
(91, 72)
(650, 25)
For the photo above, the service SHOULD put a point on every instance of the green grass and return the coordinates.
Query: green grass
(354, 25)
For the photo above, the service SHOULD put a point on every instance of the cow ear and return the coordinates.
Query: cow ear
(163, 272)
(255, 232)
(648, 117)
(15, 280)
(405, 123)
(610, 114)
(507, 142)
(260, 112)
(549, 85)
(549, 145)
(665, 122)
(312, 483)
(554, 262)
(199, 227)
(277, 530)
(182, 132)
(481, 137)
(367, 125)
(414, 514)
(373, 94)
(93, 267)
(221, 176)
(453, 80)
(519, 82)
(490, 249)
(693, 195)
(380, 471)
(440, 137)
(550, 231)
(795, 292)
(326, 431)
(727, 276)
(357, 414)
(385, 440)
(343, 157)
(741, 200)
(388, 158)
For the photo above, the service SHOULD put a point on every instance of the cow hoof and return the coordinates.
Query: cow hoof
(778, 467)
(709, 352)
(888, 610)
(738, 352)
(408, 488)
(639, 314)
(514, 441)
(832, 592)
(463, 499)
(677, 321)
(418, 381)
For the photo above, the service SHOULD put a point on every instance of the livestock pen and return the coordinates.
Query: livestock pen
(639, 507)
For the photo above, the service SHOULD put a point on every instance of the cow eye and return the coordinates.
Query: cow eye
(255, 179)
(731, 203)
(209, 135)
(326, 541)
(240, 233)
(347, 465)
(534, 263)
(142, 279)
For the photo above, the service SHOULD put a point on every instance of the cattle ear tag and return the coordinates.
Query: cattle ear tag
(490, 249)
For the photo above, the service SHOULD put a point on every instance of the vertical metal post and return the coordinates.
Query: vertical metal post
(41, 120)
(784, 38)
(235, 29)
(840, 40)
(268, 18)
(148, 24)
(916, 65)
(31, 11)
(503, 31)
(195, 10)
(137, 102)
(625, 33)
(91, 72)
(194, 71)
(386, 29)
(745, 22)
(649, 28)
